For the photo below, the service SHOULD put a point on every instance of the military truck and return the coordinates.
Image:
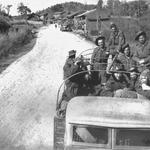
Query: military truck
(103, 123)
(66, 27)
(94, 122)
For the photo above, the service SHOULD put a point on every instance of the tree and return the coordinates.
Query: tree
(8, 9)
(100, 4)
(124, 9)
(23, 10)
(137, 8)
(109, 5)
(57, 8)
(116, 7)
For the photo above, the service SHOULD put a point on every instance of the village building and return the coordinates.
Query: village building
(92, 22)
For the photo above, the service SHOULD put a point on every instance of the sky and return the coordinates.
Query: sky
(36, 5)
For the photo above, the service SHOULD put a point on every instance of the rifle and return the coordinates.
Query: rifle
(109, 67)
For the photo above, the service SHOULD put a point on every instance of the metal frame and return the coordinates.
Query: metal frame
(108, 146)
(127, 147)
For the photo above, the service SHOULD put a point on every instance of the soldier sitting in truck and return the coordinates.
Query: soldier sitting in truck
(75, 80)
(99, 60)
(125, 57)
(118, 80)
(141, 51)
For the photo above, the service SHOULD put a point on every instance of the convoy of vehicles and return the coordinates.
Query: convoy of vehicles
(94, 122)
(66, 26)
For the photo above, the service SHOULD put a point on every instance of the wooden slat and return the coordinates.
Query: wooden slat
(59, 130)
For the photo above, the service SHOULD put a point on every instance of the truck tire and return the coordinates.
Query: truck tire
(59, 131)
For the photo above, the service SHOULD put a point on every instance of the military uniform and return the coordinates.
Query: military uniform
(116, 41)
(142, 51)
(99, 62)
(126, 61)
(72, 84)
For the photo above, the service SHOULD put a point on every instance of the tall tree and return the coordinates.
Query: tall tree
(8, 9)
(124, 9)
(116, 7)
(100, 4)
(137, 8)
(23, 10)
(110, 6)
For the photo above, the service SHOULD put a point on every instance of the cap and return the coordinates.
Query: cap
(139, 34)
(125, 46)
(72, 53)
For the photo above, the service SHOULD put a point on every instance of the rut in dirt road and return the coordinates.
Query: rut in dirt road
(28, 90)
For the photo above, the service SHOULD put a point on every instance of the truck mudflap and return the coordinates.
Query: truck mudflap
(59, 131)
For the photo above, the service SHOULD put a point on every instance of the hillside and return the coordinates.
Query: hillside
(67, 7)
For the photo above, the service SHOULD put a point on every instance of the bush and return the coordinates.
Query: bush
(15, 38)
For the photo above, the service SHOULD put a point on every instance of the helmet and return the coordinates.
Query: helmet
(139, 34)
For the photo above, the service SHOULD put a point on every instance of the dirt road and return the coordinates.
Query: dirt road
(28, 91)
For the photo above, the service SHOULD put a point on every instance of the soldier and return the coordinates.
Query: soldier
(99, 60)
(118, 80)
(141, 51)
(125, 58)
(115, 43)
(134, 78)
(73, 83)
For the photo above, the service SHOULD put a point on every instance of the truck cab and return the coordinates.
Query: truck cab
(105, 123)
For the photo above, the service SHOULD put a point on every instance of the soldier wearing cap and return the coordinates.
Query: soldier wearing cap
(130, 91)
(118, 80)
(99, 59)
(73, 83)
(141, 51)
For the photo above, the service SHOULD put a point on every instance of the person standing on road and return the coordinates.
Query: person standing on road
(99, 60)
(115, 43)
(141, 51)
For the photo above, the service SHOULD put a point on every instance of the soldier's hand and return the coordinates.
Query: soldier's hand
(78, 61)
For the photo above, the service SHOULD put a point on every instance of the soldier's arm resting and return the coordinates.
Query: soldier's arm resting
(93, 56)
(147, 59)
(136, 56)
(121, 41)
(70, 70)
